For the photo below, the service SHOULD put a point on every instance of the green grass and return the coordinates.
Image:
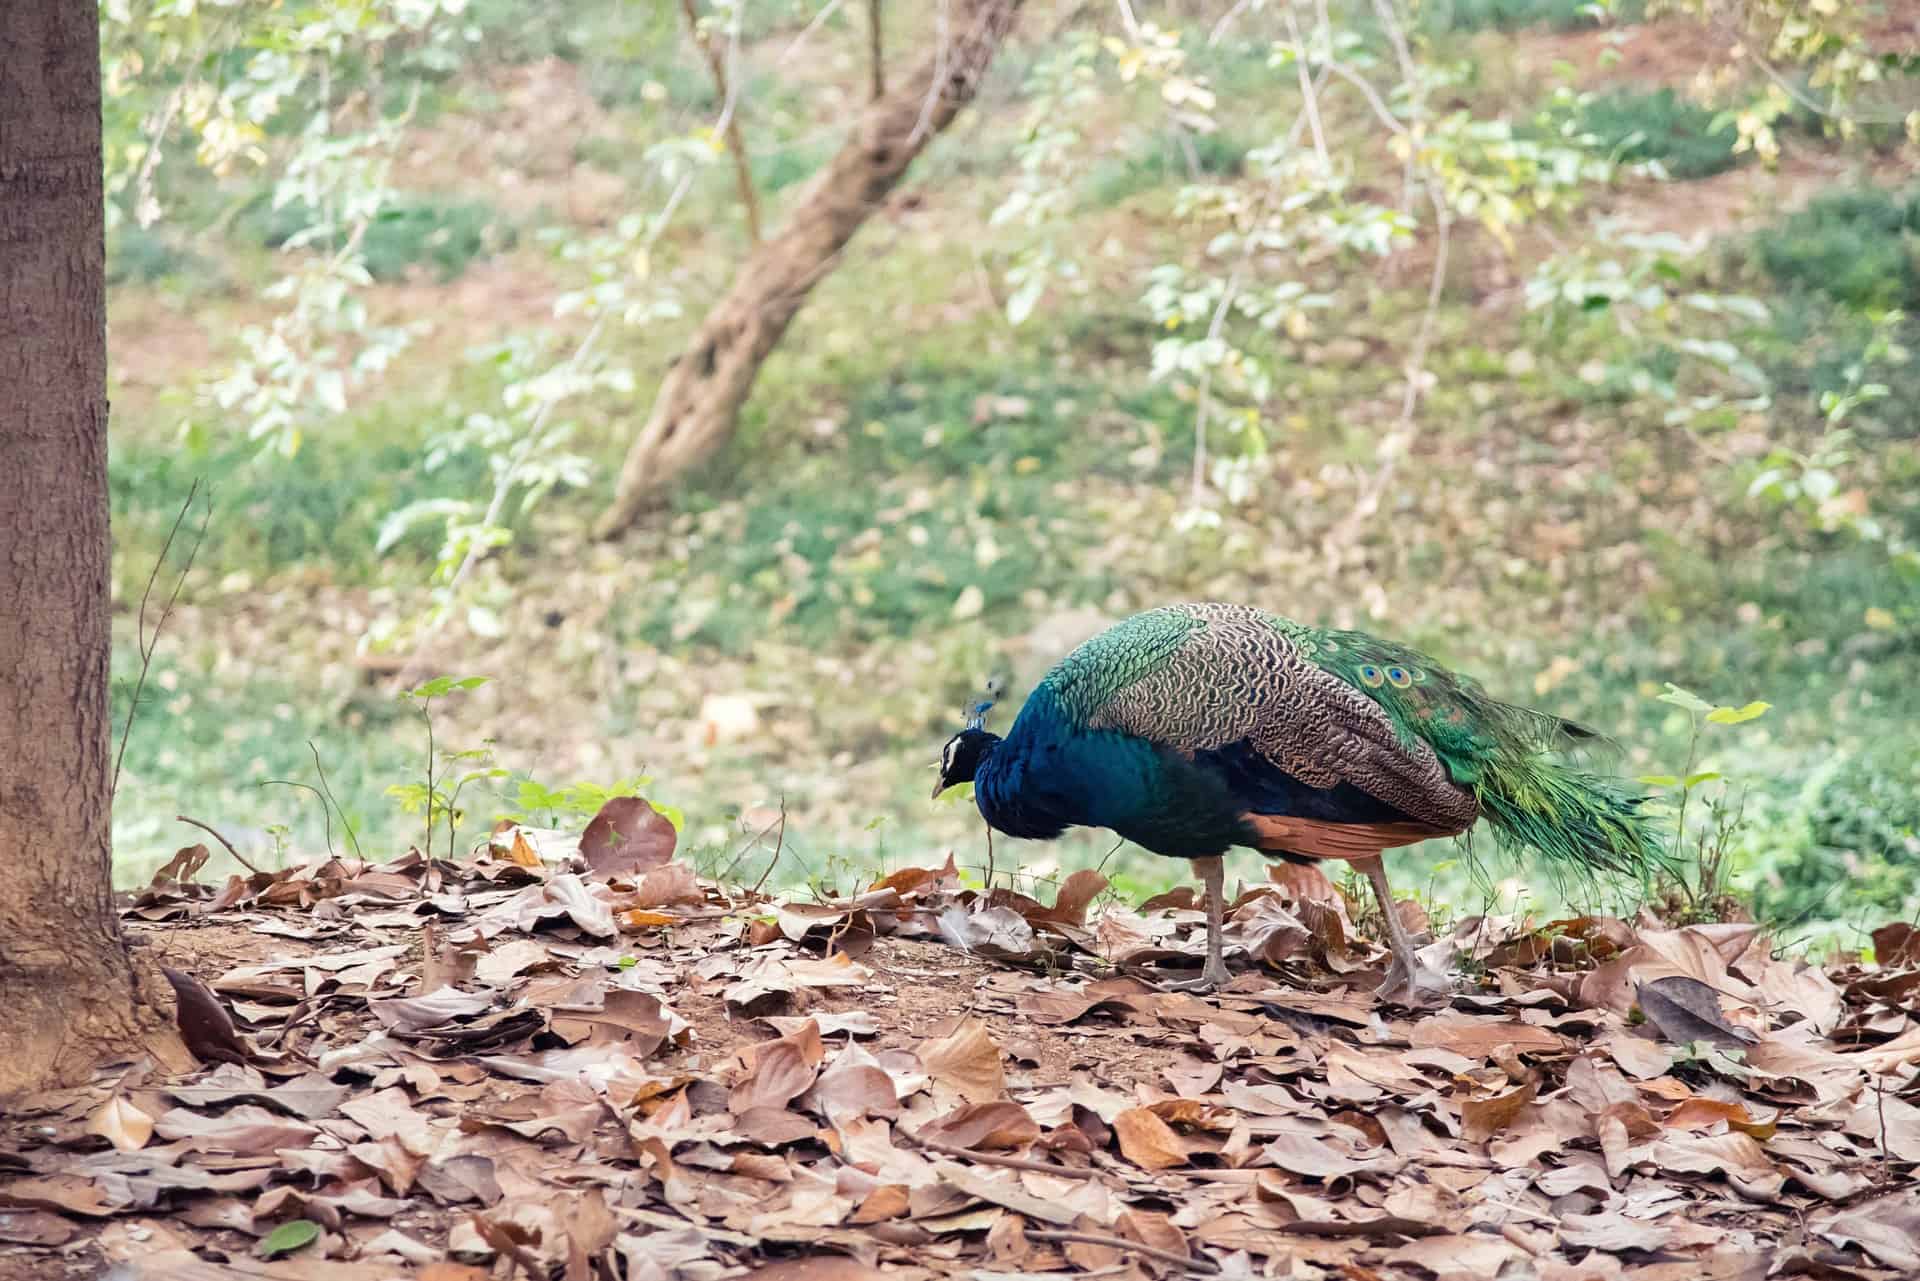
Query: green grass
(1511, 15)
(151, 255)
(1165, 159)
(1660, 127)
(1860, 248)
(206, 745)
(442, 237)
(325, 508)
(964, 461)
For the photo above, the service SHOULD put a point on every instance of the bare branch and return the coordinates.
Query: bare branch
(1203, 401)
(1308, 92)
(729, 123)
(214, 832)
(1410, 76)
(1227, 19)
(942, 38)
(1190, 1262)
(813, 24)
(1397, 443)
(997, 1158)
(874, 50)
(779, 845)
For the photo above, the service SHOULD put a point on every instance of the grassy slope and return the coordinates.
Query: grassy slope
(1570, 550)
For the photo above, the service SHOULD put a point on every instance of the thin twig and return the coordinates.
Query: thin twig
(874, 50)
(1208, 1266)
(141, 641)
(327, 789)
(215, 833)
(813, 24)
(752, 841)
(997, 1158)
(1203, 400)
(1826, 111)
(1398, 442)
(729, 124)
(326, 815)
(1367, 91)
(943, 39)
(1307, 91)
(1416, 95)
(780, 843)
(1227, 19)
(509, 476)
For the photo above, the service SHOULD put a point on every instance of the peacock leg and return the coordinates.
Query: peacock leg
(1405, 973)
(1213, 873)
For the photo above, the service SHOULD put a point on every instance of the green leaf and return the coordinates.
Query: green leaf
(1736, 715)
(673, 814)
(1685, 698)
(1704, 776)
(289, 1236)
(441, 685)
(1659, 780)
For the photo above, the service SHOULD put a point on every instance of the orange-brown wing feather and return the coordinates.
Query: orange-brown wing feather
(1313, 838)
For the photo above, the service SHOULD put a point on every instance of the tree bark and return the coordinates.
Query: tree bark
(699, 400)
(66, 985)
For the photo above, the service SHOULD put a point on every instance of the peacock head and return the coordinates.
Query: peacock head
(965, 750)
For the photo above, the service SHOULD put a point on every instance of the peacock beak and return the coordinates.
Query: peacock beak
(939, 786)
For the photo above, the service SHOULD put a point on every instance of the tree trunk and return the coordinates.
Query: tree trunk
(700, 398)
(66, 986)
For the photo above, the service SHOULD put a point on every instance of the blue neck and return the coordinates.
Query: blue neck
(1011, 791)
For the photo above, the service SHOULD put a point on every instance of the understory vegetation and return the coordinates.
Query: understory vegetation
(1665, 438)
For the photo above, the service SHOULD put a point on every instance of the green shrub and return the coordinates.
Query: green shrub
(1813, 343)
(445, 236)
(1857, 247)
(144, 255)
(1510, 15)
(786, 166)
(1661, 126)
(1841, 839)
(1161, 160)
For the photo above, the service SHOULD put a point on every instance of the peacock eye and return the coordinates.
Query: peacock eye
(1399, 678)
(1370, 674)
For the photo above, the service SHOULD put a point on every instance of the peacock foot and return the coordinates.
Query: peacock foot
(1216, 975)
(1414, 986)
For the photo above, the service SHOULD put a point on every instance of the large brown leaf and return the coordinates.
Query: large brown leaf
(965, 1063)
(628, 835)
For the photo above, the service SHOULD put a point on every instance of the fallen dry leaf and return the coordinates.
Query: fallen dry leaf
(965, 1063)
(1147, 1141)
(205, 1025)
(122, 1124)
(780, 1072)
(1481, 1119)
(628, 835)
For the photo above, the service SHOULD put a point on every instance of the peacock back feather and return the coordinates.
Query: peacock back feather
(1316, 710)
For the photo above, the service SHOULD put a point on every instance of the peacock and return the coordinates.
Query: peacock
(1194, 728)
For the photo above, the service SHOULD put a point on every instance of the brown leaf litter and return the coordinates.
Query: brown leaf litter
(573, 1058)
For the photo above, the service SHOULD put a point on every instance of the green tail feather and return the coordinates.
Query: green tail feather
(1512, 757)
(1570, 815)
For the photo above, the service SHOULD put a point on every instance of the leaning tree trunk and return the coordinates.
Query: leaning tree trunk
(66, 989)
(700, 398)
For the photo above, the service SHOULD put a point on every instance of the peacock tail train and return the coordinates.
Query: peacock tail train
(1334, 708)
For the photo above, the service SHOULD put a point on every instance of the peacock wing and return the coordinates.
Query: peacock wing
(1241, 674)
